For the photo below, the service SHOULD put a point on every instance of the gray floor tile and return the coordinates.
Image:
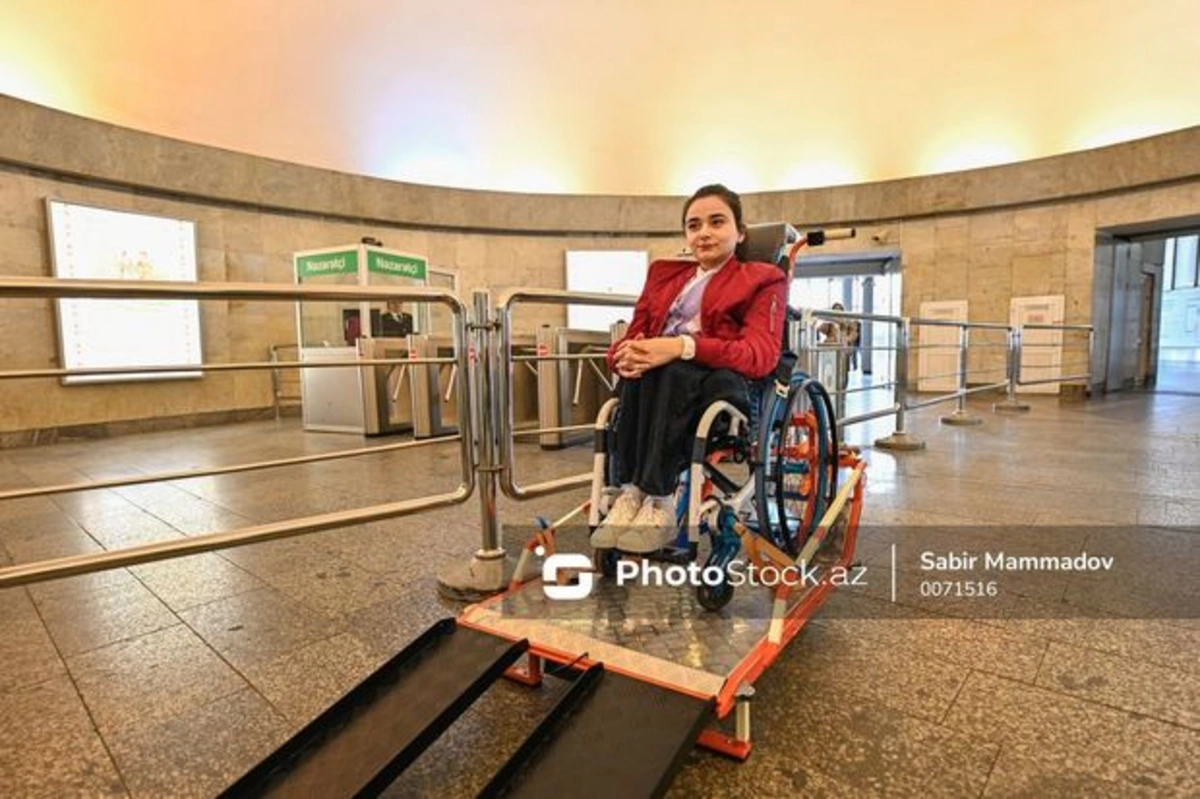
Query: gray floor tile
(137, 684)
(1122, 682)
(200, 752)
(83, 622)
(184, 583)
(868, 746)
(335, 587)
(305, 682)
(1018, 775)
(48, 746)
(1076, 736)
(258, 626)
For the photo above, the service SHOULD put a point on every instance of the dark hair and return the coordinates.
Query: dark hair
(728, 196)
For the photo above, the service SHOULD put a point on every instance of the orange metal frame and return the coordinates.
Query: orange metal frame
(756, 661)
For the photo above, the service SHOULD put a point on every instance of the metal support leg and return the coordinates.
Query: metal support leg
(738, 745)
(742, 720)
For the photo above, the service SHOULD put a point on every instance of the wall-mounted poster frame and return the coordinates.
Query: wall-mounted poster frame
(604, 272)
(88, 242)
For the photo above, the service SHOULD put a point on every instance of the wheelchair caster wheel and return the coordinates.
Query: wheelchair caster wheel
(606, 561)
(714, 597)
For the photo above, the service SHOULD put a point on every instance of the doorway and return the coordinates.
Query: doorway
(1146, 310)
(1177, 365)
(868, 283)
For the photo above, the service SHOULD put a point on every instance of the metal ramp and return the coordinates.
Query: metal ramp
(360, 744)
(608, 735)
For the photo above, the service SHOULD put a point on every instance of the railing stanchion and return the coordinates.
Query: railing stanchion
(901, 439)
(484, 574)
(961, 416)
(1011, 404)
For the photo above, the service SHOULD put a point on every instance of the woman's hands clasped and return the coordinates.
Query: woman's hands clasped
(636, 356)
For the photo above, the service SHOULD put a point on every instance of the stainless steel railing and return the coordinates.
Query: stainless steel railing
(977, 369)
(482, 380)
(156, 290)
(506, 362)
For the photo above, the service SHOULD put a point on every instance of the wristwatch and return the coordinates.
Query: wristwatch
(689, 348)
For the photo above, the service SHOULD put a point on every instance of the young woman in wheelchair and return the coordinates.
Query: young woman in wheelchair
(701, 331)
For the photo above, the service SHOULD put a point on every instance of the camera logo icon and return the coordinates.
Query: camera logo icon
(564, 562)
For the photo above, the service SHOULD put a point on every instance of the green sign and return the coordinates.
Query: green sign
(342, 262)
(399, 265)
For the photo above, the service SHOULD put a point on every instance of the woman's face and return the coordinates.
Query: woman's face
(710, 230)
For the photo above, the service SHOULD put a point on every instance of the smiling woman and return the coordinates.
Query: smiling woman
(701, 330)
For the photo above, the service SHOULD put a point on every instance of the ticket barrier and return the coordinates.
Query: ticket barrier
(387, 389)
(331, 397)
(382, 399)
(572, 383)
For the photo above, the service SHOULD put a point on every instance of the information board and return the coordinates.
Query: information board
(92, 243)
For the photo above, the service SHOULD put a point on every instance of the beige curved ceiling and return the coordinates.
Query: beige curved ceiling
(618, 96)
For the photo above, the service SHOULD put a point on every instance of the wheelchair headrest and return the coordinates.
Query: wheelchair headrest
(768, 243)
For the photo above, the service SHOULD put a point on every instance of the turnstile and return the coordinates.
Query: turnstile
(381, 399)
(570, 391)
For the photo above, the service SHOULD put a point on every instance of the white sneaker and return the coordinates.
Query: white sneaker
(619, 517)
(652, 528)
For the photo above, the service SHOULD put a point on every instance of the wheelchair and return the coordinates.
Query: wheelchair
(761, 479)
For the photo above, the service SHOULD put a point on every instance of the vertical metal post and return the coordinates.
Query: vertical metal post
(742, 721)
(807, 330)
(796, 339)
(900, 439)
(551, 380)
(276, 381)
(1013, 370)
(1091, 354)
(486, 422)
(484, 574)
(961, 416)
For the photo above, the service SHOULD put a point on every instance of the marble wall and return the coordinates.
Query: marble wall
(985, 235)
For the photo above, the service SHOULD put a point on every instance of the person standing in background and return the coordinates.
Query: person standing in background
(395, 323)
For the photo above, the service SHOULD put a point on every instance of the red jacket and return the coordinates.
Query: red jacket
(741, 314)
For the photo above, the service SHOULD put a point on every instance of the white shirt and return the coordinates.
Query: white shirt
(683, 318)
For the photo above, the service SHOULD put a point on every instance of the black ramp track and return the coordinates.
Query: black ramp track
(359, 745)
(610, 736)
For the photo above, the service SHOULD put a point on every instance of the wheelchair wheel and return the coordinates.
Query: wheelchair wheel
(606, 561)
(799, 487)
(799, 465)
(714, 597)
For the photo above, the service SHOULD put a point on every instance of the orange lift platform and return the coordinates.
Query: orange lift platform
(652, 675)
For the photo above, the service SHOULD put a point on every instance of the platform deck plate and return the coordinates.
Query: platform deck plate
(658, 632)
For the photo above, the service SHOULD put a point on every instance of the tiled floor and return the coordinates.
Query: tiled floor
(171, 679)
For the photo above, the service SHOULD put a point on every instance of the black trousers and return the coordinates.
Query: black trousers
(659, 415)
